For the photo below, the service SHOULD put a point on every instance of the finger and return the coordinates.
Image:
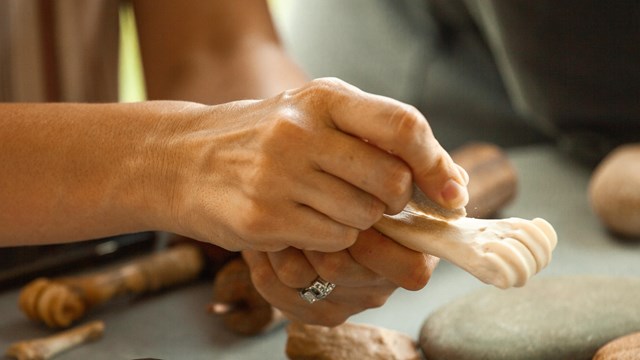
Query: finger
(409, 269)
(304, 228)
(333, 310)
(288, 300)
(402, 130)
(292, 268)
(463, 174)
(340, 201)
(369, 168)
(340, 305)
(341, 269)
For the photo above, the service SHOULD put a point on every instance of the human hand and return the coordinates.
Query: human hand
(365, 275)
(307, 169)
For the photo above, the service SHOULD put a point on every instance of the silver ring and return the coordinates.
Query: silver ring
(319, 290)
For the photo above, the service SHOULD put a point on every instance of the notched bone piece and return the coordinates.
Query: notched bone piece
(60, 302)
(48, 347)
(348, 341)
(504, 252)
(235, 299)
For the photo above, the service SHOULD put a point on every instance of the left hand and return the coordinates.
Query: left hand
(365, 275)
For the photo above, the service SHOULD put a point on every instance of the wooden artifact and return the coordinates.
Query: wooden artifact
(236, 300)
(59, 302)
(48, 347)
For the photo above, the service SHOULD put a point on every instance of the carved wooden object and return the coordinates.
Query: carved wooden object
(236, 300)
(60, 302)
(48, 347)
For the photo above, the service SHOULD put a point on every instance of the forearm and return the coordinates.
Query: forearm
(212, 51)
(262, 175)
(253, 71)
(76, 171)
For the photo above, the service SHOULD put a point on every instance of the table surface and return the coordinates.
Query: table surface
(174, 324)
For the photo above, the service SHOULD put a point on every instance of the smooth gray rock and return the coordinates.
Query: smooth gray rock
(550, 318)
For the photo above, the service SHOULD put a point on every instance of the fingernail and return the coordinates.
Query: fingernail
(454, 195)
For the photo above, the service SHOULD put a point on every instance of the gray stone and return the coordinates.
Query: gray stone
(550, 318)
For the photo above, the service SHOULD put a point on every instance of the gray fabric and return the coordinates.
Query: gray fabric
(79, 63)
(377, 45)
(567, 69)
(405, 50)
(570, 63)
(571, 66)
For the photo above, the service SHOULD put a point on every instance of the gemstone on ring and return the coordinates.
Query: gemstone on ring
(319, 290)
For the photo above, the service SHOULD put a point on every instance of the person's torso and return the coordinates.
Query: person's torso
(64, 50)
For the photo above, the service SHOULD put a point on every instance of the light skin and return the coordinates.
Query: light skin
(289, 180)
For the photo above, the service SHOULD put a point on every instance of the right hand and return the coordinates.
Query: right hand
(309, 169)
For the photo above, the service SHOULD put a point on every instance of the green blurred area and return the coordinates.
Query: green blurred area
(131, 78)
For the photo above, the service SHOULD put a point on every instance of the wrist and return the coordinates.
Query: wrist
(155, 167)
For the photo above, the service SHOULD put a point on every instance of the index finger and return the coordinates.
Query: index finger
(403, 131)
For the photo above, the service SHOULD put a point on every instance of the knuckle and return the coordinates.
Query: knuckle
(253, 222)
(321, 89)
(320, 93)
(286, 95)
(261, 275)
(398, 186)
(346, 237)
(335, 238)
(329, 267)
(418, 281)
(328, 83)
(259, 179)
(284, 125)
(373, 211)
(331, 319)
(288, 273)
(373, 301)
(408, 123)
(255, 227)
(419, 277)
(439, 164)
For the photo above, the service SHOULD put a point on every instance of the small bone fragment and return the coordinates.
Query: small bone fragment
(503, 253)
(243, 310)
(60, 302)
(348, 341)
(48, 347)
